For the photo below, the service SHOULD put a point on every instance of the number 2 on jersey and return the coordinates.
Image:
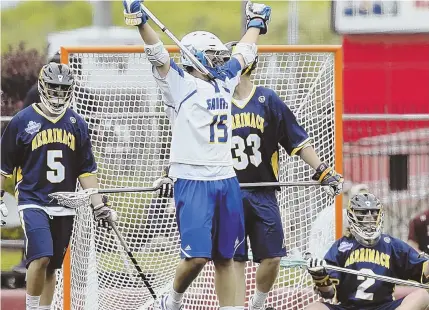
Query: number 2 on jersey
(57, 172)
(218, 129)
(366, 284)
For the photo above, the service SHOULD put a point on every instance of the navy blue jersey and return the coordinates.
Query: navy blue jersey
(259, 125)
(390, 257)
(48, 155)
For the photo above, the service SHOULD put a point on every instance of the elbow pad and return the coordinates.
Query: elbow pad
(247, 51)
(157, 54)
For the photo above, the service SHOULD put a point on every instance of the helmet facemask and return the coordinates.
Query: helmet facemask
(365, 216)
(55, 98)
(217, 58)
(55, 87)
(207, 49)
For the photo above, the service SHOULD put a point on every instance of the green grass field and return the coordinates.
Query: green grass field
(10, 258)
(32, 21)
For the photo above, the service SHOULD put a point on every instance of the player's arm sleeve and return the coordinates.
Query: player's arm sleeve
(175, 88)
(11, 150)
(333, 257)
(410, 263)
(291, 135)
(87, 164)
(232, 70)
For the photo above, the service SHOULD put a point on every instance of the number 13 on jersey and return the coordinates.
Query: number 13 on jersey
(219, 129)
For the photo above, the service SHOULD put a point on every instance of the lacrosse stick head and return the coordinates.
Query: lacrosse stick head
(74, 199)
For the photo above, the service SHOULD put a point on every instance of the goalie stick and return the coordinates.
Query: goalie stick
(175, 40)
(290, 262)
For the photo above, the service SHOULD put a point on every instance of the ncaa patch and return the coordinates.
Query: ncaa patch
(33, 127)
(73, 120)
(345, 246)
(261, 99)
(387, 239)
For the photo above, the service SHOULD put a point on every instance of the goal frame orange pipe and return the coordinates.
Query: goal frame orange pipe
(338, 76)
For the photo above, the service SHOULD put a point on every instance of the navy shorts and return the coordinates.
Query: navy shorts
(392, 305)
(210, 217)
(263, 225)
(46, 236)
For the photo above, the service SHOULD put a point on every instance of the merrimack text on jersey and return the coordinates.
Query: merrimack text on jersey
(247, 119)
(53, 135)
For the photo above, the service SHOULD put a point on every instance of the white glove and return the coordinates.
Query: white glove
(133, 14)
(165, 185)
(258, 15)
(104, 214)
(3, 209)
(315, 265)
(316, 268)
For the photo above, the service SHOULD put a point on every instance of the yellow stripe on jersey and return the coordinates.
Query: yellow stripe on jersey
(18, 178)
(275, 163)
(424, 279)
(302, 145)
(51, 119)
(86, 174)
(18, 175)
(245, 101)
(6, 175)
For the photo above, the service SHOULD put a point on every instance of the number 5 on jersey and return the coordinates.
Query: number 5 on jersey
(218, 129)
(57, 172)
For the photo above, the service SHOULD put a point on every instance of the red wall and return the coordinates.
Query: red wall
(385, 74)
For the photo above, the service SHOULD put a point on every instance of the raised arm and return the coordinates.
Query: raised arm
(154, 48)
(258, 17)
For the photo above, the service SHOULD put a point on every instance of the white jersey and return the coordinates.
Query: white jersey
(200, 114)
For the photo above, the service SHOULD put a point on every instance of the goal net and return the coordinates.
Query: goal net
(117, 95)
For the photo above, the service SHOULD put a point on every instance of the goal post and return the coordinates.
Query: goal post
(117, 95)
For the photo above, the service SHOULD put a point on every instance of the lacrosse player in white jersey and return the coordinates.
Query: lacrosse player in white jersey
(207, 195)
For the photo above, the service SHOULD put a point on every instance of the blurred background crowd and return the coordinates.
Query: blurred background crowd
(385, 82)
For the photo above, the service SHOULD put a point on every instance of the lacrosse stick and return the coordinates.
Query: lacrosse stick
(180, 45)
(272, 184)
(133, 260)
(82, 198)
(290, 262)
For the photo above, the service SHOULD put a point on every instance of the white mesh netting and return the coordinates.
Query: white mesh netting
(130, 134)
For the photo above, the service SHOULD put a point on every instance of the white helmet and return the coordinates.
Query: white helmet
(206, 47)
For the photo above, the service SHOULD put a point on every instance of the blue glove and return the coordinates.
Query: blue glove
(133, 13)
(258, 16)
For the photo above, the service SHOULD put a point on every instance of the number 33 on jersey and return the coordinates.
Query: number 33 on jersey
(259, 124)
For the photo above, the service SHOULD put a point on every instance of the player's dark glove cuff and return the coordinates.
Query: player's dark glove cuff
(165, 184)
(320, 278)
(103, 215)
(259, 23)
(322, 172)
